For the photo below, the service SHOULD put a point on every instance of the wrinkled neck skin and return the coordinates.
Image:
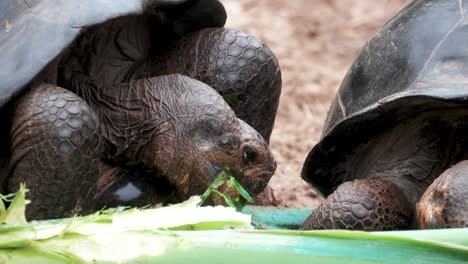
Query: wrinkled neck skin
(138, 117)
(182, 129)
(172, 124)
(415, 152)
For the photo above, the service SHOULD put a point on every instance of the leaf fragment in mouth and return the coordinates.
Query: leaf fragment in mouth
(232, 184)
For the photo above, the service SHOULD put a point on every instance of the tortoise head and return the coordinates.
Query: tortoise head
(202, 137)
(235, 147)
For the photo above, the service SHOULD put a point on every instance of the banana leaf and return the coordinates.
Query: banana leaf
(187, 233)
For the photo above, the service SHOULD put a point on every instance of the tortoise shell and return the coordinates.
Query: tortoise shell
(34, 32)
(417, 63)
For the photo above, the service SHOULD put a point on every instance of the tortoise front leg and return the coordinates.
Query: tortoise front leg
(370, 204)
(243, 70)
(55, 151)
(445, 202)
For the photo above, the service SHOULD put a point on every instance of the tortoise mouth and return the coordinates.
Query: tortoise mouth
(253, 182)
(258, 174)
(254, 187)
(256, 181)
(260, 171)
(230, 192)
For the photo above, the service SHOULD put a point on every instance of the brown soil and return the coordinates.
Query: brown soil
(315, 42)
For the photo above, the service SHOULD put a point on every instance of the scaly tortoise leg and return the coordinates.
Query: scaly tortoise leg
(445, 202)
(370, 204)
(55, 151)
(237, 65)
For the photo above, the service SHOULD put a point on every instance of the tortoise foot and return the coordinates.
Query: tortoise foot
(371, 204)
(55, 152)
(445, 202)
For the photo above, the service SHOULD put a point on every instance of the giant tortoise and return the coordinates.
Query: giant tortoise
(398, 122)
(115, 102)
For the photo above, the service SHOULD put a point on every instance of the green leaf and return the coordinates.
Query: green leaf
(232, 184)
(2, 211)
(223, 176)
(152, 236)
(228, 199)
(39, 254)
(15, 214)
(4, 198)
(231, 98)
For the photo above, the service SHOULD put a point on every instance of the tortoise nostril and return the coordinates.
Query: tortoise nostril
(249, 156)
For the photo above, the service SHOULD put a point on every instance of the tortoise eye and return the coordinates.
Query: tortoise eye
(230, 141)
(249, 156)
(207, 128)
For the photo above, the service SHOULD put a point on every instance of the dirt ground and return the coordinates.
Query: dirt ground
(315, 42)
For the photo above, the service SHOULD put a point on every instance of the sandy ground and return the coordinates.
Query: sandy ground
(315, 42)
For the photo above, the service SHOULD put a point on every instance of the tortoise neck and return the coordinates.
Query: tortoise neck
(413, 153)
(133, 117)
